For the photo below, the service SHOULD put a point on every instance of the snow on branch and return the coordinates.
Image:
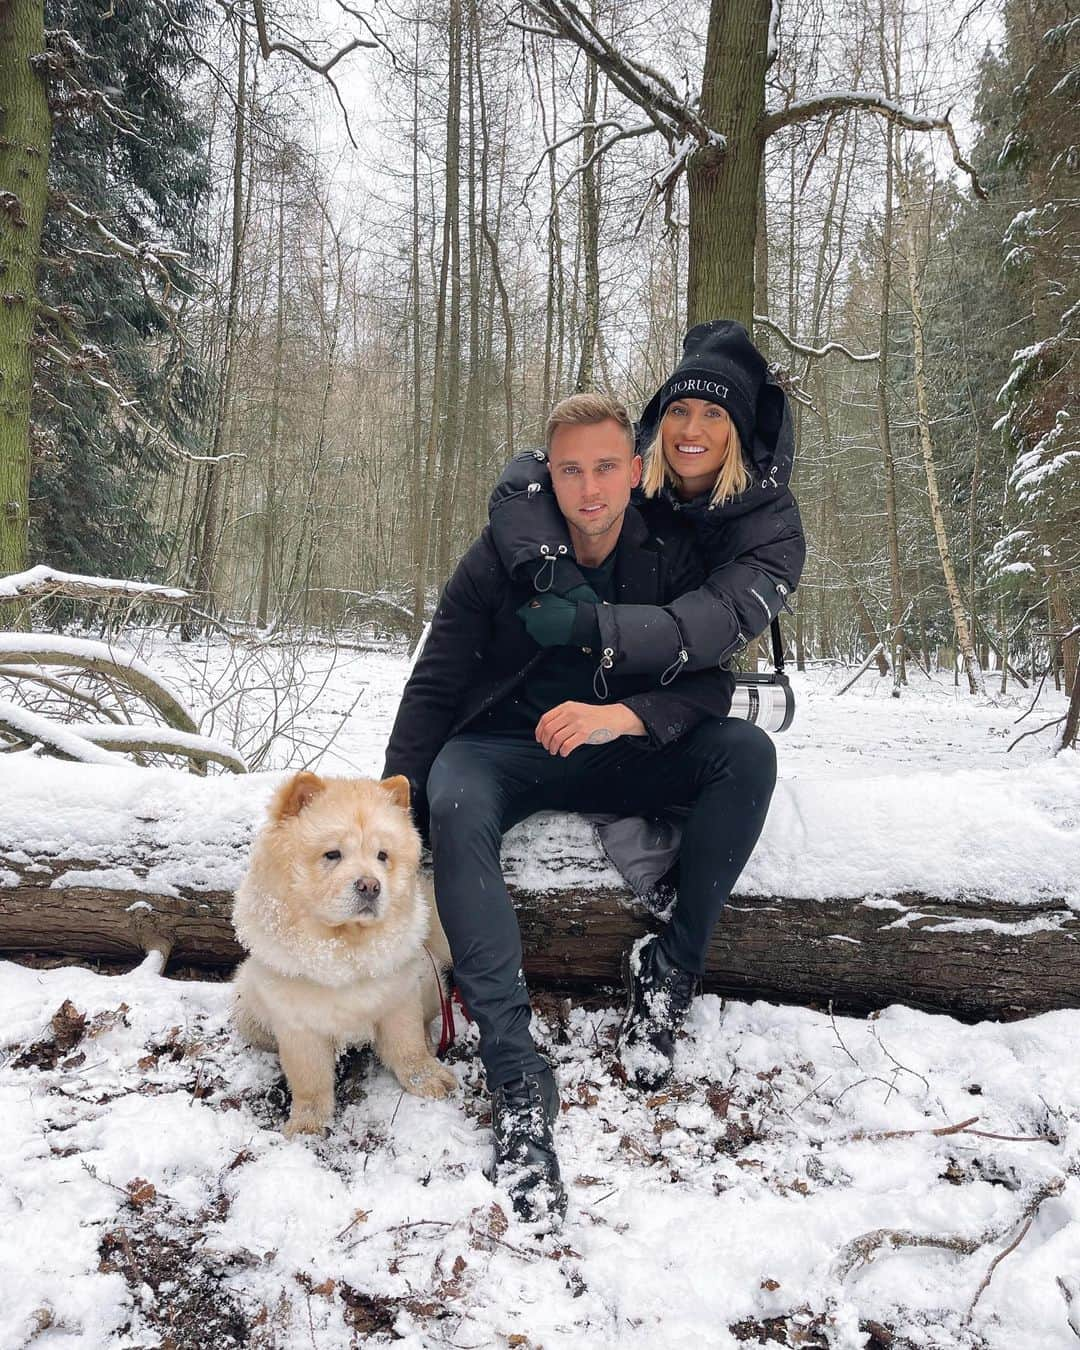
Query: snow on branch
(90, 363)
(805, 350)
(773, 51)
(38, 649)
(143, 255)
(39, 582)
(156, 740)
(33, 729)
(843, 100)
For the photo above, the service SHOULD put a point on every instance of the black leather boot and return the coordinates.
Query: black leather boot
(522, 1114)
(658, 996)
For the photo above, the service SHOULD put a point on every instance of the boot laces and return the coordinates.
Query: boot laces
(518, 1115)
(670, 996)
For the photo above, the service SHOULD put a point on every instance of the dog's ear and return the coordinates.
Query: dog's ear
(291, 798)
(398, 790)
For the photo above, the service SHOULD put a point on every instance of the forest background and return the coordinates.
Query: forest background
(283, 289)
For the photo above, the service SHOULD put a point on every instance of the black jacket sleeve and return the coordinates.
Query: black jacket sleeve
(672, 711)
(452, 659)
(754, 563)
(527, 527)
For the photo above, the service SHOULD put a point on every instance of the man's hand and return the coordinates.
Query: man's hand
(569, 725)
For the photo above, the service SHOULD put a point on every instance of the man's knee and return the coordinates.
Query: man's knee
(462, 792)
(738, 747)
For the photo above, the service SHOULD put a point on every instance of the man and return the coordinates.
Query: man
(510, 711)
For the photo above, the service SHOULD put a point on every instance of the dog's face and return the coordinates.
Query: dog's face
(343, 854)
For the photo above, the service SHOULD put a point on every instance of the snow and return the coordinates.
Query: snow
(64, 738)
(36, 576)
(731, 1199)
(81, 650)
(146, 1177)
(165, 739)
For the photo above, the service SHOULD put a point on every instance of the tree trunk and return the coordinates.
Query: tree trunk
(417, 472)
(492, 242)
(590, 233)
(269, 520)
(723, 184)
(896, 602)
(430, 468)
(976, 679)
(208, 522)
(25, 132)
(1070, 737)
(451, 444)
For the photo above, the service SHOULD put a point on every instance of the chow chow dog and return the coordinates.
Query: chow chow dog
(336, 921)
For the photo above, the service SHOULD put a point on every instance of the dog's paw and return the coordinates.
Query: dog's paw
(430, 1080)
(306, 1120)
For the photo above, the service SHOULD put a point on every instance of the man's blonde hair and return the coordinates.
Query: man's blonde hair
(733, 477)
(587, 410)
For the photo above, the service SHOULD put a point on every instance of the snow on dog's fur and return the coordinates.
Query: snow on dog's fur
(335, 920)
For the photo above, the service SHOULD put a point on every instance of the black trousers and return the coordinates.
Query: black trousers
(723, 773)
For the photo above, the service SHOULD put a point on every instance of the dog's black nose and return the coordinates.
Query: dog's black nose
(367, 887)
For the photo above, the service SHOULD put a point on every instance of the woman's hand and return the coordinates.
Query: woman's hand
(549, 618)
(569, 725)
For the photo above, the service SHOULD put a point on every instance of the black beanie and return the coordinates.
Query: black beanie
(719, 364)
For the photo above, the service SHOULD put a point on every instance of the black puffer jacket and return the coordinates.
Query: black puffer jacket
(753, 547)
(478, 651)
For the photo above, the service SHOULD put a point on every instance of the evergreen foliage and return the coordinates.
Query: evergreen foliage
(1041, 418)
(112, 376)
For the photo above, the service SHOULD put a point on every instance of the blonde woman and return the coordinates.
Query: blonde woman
(718, 448)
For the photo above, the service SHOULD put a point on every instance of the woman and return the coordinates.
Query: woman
(718, 447)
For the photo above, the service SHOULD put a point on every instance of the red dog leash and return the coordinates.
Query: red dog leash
(448, 1032)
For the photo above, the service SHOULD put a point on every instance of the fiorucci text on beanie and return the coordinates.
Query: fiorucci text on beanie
(721, 365)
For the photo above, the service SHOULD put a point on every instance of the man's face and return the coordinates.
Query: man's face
(593, 469)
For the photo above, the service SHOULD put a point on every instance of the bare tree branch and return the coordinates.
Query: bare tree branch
(673, 116)
(841, 100)
(320, 68)
(804, 350)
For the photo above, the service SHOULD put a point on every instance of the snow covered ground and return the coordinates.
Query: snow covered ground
(806, 1181)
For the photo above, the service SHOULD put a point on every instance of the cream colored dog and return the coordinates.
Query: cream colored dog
(336, 922)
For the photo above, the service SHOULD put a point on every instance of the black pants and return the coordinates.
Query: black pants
(723, 772)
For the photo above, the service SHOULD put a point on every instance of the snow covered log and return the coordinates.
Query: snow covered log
(955, 896)
(976, 958)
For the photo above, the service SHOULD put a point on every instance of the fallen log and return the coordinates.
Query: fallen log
(957, 894)
(975, 958)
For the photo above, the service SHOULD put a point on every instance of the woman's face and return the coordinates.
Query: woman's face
(694, 434)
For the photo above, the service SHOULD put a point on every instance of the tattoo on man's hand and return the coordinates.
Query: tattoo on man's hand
(600, 736)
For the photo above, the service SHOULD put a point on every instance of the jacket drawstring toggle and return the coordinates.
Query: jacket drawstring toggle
(599, 683)
(675, 667)
(540, 581)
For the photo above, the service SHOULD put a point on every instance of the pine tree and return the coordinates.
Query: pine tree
(113, 382)
(1041, 417)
